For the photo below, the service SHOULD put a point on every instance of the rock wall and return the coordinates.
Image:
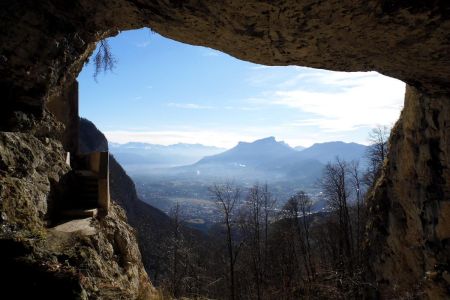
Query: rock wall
(41, 262)
(409, 229)
(44, 44)
(31, 166)
(65, 110)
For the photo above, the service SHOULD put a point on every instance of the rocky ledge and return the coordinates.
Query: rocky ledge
(39, 261)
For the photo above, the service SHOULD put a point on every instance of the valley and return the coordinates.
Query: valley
(266, 161)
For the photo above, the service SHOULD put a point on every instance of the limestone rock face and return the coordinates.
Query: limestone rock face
(112, 260)
(409, 229)
(30, 169)
(41, 262)
(49, 264)
(44, 44)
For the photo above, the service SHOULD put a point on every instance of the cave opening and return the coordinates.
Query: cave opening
(45, 46)
(164, 94)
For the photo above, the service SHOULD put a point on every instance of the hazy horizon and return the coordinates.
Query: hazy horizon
(227, 148)
(165, 92)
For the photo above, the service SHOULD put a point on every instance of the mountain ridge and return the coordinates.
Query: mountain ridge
(248, 153)
(143, 144)
(141, 156)
(328, 151)
(322, 152)
(268, 160)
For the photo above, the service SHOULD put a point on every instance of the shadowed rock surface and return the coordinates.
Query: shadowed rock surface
(40, 262)
(43, 46)
(409, 228)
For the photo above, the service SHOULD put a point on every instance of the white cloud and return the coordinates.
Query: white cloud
(338, 101)
(326, 106)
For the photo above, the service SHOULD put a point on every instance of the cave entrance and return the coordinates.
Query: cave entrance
(166, 93)
(163, 93)
(165, 97)
(47, 44)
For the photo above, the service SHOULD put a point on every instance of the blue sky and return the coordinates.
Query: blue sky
(165, 92)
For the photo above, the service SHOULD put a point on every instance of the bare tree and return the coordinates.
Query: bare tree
(376, 153)
(336, 189)
(268, 206)
(228, 198)
(305, 203)
(358, 187)
(254, 222)
(298, 210)
(251, 225)
(175, 248)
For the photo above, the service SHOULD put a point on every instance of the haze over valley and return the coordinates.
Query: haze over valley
(184, 173)
(187, 108)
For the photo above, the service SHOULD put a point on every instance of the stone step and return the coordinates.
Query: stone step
(86, 173)
(83, 197)
(88, 180)
(81, 184)
(88, 185)
(90, 195)
(80, 213)
(82, 181)
(85, 204)
(86, 192)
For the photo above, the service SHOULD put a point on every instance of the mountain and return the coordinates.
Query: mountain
(138, 157)
(309, 162)
(326, 152)
(197, 148)
(268, 151)
(90, 138)
(299, 148)
(262, 160)
(253, 154)
(269, 160)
